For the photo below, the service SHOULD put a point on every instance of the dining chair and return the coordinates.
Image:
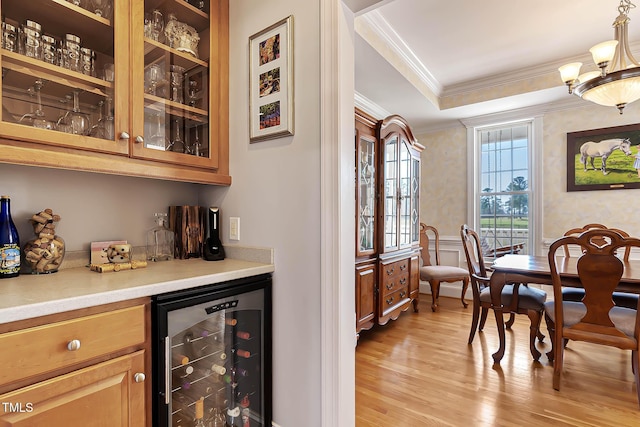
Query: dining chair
(435, 273)
(516, 298)
(595, 319)
(622, 299)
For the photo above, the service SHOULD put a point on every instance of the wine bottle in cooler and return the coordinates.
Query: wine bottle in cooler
(9, 242)
(199, 413)
(213, 250)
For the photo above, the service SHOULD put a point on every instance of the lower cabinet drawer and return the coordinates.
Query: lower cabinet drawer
(391, 300)
(41, 349)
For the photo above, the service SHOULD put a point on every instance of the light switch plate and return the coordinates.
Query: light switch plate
(234, 228)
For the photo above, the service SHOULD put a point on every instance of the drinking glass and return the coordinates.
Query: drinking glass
(157, 25)
(158, 139)
(193, 92)
(104, 127)
(154, 76)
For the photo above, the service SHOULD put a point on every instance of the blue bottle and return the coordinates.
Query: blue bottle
(9, 242)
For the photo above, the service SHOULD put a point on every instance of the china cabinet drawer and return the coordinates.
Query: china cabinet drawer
(394, 283)
(37, 350)
(395, 269)
(395, 302)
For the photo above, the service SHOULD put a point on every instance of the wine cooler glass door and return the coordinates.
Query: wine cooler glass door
(215, 353)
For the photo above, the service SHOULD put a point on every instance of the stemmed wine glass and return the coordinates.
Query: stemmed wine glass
(39, 120)
(158, 139)
(76, 121)
(28, 118)
(177, 143)
(104, 127)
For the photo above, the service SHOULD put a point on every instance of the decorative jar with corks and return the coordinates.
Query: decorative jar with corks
(45, 253)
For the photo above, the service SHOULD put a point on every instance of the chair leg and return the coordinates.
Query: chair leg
(635, 354)
(512, 319)
(540, 334)
(558, 359)
(535, 317)
(551, 327)
(483, 318)
(474, 320)
(435, 294)
(465, 285)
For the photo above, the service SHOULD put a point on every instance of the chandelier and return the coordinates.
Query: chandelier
(618, 82)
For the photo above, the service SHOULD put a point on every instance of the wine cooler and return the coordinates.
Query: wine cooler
(212, 350)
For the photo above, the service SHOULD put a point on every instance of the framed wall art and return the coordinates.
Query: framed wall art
(604, 159)
(271, 82)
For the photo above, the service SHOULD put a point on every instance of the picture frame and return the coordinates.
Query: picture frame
(271, 100)
(618, 146)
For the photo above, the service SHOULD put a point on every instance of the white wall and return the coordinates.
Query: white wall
(93, 207)
(276, 194)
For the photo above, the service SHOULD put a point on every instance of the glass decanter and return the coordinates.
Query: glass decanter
(75, 121)
(160, 240)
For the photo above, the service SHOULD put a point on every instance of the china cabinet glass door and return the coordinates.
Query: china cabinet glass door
(366, 188)
(59, 78)
(391, 193)
(173, 82)
(405, 194)
(415, 198)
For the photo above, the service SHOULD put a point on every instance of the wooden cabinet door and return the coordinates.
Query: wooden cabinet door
(365, 296)
(106, 394)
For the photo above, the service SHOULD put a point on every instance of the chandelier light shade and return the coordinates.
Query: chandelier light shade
(618, 81)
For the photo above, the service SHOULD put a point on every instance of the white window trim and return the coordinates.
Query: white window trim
(535, 115)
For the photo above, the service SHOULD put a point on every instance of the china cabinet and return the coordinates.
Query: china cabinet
(387, 218)
(129, 87)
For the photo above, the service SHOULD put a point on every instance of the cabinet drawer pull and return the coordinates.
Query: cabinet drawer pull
(390, 286)
(139, 377)
(390, 271)
(403, 280)
(403, 267)
(403, 294)
(73, 345)
(389, 301)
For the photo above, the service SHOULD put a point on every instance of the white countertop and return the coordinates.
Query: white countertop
(28, 296)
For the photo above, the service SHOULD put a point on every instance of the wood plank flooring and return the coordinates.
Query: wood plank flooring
(419, 371)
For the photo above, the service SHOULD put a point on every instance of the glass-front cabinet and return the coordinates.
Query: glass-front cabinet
(59, 84)
(401, 177)
(146, 81)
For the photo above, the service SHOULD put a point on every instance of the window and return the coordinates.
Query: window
(504, 201)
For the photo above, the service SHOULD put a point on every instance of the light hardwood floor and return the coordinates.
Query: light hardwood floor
(419, 371)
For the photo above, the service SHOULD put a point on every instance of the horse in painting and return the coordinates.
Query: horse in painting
(590, 150)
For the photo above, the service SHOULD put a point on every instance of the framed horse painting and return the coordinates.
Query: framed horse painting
(604, 159)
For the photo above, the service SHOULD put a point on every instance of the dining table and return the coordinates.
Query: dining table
(525, 269)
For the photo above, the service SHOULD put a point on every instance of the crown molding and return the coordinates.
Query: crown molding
(376, 23)
(370, 107)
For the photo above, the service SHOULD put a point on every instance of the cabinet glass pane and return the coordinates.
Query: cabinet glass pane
(405, 194)
(366, 194)
(58, 70)
(415, 200)
(176, 77)
(391, 193)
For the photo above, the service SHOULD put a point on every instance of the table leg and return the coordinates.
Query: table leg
(496, 284)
